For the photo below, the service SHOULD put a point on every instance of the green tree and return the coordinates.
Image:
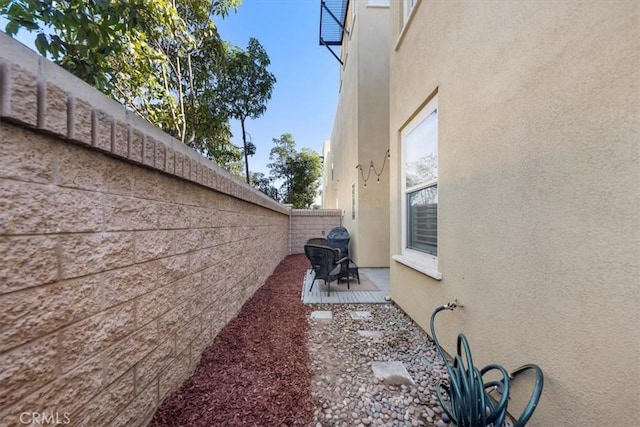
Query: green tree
(158, 57)
(84, 36)
(280, 168)
(169, 78)
(190, 52)
(244, 87)
(299, 172)
(264, 184)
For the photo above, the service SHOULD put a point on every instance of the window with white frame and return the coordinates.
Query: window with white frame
(420, 191)
(407, 7)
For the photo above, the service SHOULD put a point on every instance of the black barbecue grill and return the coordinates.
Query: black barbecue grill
(339, 238)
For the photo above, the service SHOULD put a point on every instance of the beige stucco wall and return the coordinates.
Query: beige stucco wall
(122, 251)
(326, 172)
(344, 135)
(360, 135)
(539, 194)
(373, 131)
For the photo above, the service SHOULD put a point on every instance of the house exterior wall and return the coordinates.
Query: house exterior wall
(538, 191)
(326, 172)
(344, 135)
(360, 134)
(373, 131)
(122, 251)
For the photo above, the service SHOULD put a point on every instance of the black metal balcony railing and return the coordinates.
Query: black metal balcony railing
(333, 15)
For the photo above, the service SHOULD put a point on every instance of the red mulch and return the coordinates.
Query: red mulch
(256, 372)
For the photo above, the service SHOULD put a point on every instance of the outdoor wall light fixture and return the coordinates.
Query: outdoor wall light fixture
(372, 167)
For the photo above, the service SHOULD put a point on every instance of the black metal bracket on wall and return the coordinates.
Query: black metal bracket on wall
(331, 50)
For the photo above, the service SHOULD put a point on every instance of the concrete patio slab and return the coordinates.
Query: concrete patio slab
(391, 373)
(318, 294)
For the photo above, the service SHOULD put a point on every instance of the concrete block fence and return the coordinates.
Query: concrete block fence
(306, 224)
(122, 252)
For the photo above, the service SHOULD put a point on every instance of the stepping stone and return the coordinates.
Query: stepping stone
(391, 373)
(370, 334)
(360, 315)
(322, 315)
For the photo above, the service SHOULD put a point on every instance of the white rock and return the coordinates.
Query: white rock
(370, 334)
(391, 373)
(360, 315)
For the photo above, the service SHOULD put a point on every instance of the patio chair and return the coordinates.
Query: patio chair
(328, 266)
(326, 263)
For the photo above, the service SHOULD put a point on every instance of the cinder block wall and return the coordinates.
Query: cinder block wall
(306, 224)
(122, 252)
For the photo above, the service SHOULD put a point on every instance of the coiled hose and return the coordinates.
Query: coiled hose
(469, 403)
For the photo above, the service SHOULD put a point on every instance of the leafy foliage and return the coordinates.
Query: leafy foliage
(84, 36)
(161, 58)
(244, 87)
(299, 172)
(264, 184)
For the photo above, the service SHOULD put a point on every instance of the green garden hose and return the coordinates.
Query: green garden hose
(468, 402)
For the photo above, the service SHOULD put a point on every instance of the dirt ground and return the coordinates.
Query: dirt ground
(257, 371)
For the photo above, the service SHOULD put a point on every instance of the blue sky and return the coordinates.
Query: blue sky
(305, 96)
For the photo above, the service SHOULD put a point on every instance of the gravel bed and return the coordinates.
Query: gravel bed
(345, 391)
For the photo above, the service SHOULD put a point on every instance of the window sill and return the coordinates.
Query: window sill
(378, 3)
(418, 266)
(406, 24)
